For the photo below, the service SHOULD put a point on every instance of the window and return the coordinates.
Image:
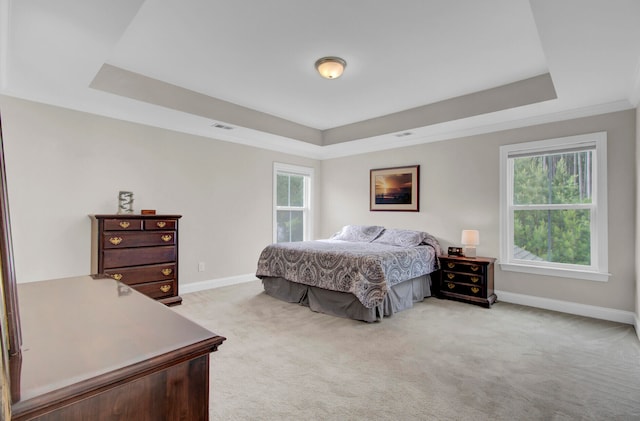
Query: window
(553, 207)
(292, 203)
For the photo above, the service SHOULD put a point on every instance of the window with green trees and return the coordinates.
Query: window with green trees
(553, 203)
(292, 203)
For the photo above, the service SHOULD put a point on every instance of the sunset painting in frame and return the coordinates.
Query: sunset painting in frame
(394, 189)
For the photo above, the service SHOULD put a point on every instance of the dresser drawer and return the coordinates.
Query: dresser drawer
(116, 258)
(160, 224)
(122, 224)
(464, 267)
(160, 289)
(468, 278)
(463, 289)
(137, 239)
(142, 274)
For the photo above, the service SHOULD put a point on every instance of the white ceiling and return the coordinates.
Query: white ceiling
(416, 66)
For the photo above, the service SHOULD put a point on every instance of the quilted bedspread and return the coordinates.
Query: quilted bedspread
(365, 269)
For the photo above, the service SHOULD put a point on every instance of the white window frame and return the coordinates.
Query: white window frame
(307, 173)
(598, 271)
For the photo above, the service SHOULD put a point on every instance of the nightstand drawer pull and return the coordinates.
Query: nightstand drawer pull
(124, 224)
(451, 275)
(451, 285)
(475, 268)
(117, 276)
(165, 288)
(475, 279)
(161, 224)
(451, 265)
(166, 238)
(115, 240)
(167, 271)
(475, 290)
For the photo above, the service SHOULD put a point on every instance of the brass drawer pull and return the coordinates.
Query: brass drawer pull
(451, 285)
(124, 224)
(475, 268)
(167, 271)
(165, 288)
(166, 238)
(115, 240)
(475, 279)
(451, 265)
(161, 224)
(451, 275)
(117, 276)
(475, 290)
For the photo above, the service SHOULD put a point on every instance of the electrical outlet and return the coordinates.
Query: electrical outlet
(201, 267)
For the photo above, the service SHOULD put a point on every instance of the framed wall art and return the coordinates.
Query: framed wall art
(395, 189)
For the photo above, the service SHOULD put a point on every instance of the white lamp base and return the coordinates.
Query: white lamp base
(469, 251)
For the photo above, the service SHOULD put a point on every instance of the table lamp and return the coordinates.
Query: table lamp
(470, 239)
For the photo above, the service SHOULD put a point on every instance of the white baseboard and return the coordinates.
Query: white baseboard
(216, 283)
(586, 310)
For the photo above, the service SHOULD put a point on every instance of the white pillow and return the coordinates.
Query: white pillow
(359, 233)
(401, 238)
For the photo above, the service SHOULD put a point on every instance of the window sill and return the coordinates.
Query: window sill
(563, 273)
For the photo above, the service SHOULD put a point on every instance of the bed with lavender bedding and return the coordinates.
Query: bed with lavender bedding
(362, 272)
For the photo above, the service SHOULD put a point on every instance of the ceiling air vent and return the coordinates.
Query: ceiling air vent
(403, 134)
(221, 126)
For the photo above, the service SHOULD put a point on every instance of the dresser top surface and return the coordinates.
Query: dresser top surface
(84, 329)
(134, 216)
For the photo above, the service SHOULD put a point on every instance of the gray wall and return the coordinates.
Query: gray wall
(63, 165)
(460, 189)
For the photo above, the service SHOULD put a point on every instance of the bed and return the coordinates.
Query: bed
(361, 272)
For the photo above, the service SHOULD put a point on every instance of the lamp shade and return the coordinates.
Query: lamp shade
(330, 67)
(470, 237)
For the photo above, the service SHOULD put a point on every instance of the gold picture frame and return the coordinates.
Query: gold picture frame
(395, 189)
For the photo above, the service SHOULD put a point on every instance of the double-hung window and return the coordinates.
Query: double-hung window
(292, 203)
(553, 207)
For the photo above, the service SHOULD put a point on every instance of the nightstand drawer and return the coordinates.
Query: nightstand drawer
(142, 274)
(464, 267)
(463, 277)
(138, 239)
(463, 289)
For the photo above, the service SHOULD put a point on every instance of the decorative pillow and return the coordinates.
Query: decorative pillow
(360, 233)
(402, 238)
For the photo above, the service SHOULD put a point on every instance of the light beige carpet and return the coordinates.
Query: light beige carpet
(441, 360)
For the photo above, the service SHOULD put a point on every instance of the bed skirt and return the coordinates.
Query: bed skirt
(343, 304)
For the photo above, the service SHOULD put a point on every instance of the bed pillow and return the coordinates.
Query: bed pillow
(359, 233)
(402, 238)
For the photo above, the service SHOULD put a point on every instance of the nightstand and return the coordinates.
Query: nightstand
(468, 279)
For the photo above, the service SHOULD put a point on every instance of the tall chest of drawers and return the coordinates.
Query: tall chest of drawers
(140, 251)
(467, 279)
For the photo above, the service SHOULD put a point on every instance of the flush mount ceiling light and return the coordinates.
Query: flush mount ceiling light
(330, 67)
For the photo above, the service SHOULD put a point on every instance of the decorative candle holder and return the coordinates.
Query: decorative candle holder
(125, 202)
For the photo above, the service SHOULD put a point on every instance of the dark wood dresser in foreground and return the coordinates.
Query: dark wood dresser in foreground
(467, 279)
(95, 349)
(138, 250)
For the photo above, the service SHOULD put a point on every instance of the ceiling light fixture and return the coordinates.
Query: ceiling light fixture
(330, 67)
